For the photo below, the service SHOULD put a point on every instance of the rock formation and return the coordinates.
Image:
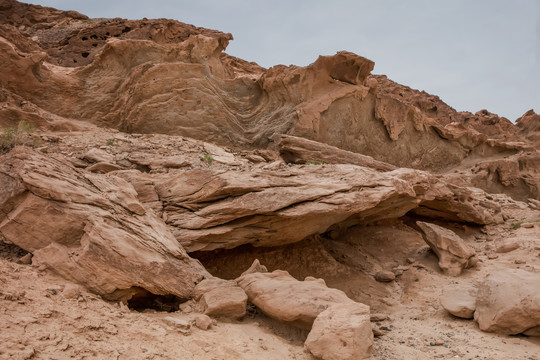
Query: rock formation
(508, 302)
(131, 148)
(454, 255)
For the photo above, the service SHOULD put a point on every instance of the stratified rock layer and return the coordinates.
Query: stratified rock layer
(90, 228)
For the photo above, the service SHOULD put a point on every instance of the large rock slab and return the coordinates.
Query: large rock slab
(90, 228)
(282, 297)
(454, 255)
(508, 302)
(211, 208)
(341, 332)
(298, 150)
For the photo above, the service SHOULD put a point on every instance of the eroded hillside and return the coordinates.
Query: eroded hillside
(294, 212)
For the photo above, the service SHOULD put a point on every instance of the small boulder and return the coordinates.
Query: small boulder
(202, 321)
(507, 246)
(385, 276)
(454, 255)
(341, 332)
(459, 301)
(71, 291)
(508, 302)
(226, 302)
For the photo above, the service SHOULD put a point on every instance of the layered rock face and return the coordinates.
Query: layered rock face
(146, 144)
(167, 77)
(90, 229)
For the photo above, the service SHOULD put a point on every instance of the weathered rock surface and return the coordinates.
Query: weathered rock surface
(90, 228)
(211, 209)
(454, 255)
(281, 296)
(221, 298)
(459, 300)
(225, 301)
(301, 151)
(508, 302)
(162, 76)
(341, 332)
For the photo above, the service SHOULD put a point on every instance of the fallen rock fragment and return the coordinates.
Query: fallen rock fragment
(385, 276)
(202, 321)
(459, 300)
(454, 255)
(282, 297)
(341, 332)
(508, 302)
(221, 298)
(507, 246)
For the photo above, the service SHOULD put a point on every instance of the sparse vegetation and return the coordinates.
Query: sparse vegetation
(110, 142)
(208, 158)
(16, 135)
(311, 162)
(517, 225)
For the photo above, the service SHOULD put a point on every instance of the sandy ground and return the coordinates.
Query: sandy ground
(44, 317)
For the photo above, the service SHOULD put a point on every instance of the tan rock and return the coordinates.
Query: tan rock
(507, 246)
(281, 296)
(225, 301)
(202, 321)
(459, 300)
(90, 229)
(301, 151)
(103, 167)
(508, 302)
(255, 267)
(454, 255)
(341, 332)
(385, 276)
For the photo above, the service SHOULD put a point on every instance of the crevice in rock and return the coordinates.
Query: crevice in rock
(11, 252)
(142, 300)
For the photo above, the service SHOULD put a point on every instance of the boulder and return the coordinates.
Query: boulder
(225, 302)
(459, 300)
(90, 228)
(385, 276)
(281, 296)
(508, 302)
(341, 332)
(454, 255)
(221, 298)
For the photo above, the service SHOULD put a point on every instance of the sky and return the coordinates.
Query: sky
(473, 54)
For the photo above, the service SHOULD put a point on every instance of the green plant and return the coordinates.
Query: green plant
(110, 142)
(517, 225)
(207, 157)
(311, 162)
(16, 135)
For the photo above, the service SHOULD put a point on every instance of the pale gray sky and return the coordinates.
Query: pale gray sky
(474, 54)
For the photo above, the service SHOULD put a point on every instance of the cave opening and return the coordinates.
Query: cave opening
(142, 300)
(12, 252)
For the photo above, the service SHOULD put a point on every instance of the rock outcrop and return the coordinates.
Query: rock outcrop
(454, 255)
(90, 229)
(508, 302)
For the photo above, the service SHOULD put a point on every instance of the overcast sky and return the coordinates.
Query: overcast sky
(474, 54)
